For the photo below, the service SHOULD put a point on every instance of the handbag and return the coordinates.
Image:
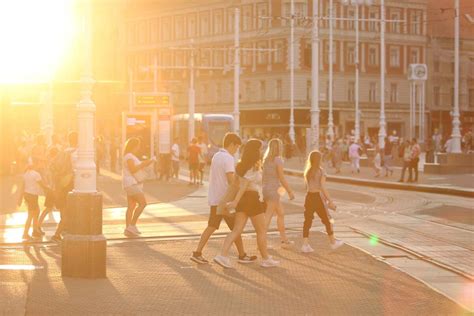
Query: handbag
(140, 176)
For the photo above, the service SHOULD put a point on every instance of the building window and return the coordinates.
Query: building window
(394, 57)
(373, 24)
(350, 16)
(373, 58)
(436, 96)
(416, 22)
(205, 58)
(351, 91)
(166, 29)
(191, 25)
(436, 65)
(262, 56)
(372, 91)
(300, 11)
(415, 56)
(204, 24)
(263, 90)
(262, 13)
(326, 53)
(230, 20)
(179, 27)
(246, 56)
(395, 26)
(308, 90)
(278, 53)
(351, 54)
(218, 92)
(278, 87)
(393, 93)
(205, 92)
(154, 31)
(248, 90)
(218, 58)
(246, 18)
(218, 23)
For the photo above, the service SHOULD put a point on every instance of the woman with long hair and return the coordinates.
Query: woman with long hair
(317, 200)
(133, 185)
(273, 178)
(247, 204)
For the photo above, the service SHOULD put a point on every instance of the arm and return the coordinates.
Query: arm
(326, 193)
(230, 177)
(243, 183)
(134, 168)
(283, 181)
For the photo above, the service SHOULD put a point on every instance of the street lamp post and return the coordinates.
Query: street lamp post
(84, 245)
(292, 72)
(330, 131)
(315, 77)
(236, 70)
(456, 132)
(382, 123)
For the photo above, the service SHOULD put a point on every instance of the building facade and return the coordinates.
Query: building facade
(156, 32)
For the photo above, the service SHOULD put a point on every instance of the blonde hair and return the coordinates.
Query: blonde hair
(274, 149)
(312, 164)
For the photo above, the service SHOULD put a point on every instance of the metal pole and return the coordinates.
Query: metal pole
(456, 132)
(236, 70)
(330, 131)
(191, 98)
(382, 123)
(315, 77)
(292, 73)
(357, 114)
(422, 114)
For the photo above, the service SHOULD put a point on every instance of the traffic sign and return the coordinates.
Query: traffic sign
(152, 100)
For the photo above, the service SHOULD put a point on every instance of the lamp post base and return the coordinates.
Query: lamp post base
(84, 246)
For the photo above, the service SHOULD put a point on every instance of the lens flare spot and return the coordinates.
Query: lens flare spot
(374, 240)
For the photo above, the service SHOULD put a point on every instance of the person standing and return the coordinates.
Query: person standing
(175, 158)
(273, 177)
(354, 156)
(193, 158)
(405, 153)
(220, 177)
(387, 157)
(337, 155)
(202, 158)
(132, 181)
(377, 161)
(317, 200)
(247, 204)
(414, 159)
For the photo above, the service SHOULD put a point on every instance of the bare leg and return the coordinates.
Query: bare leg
(206, 234)
(138, 211)
(239, 224)
(28, 223)
(281, 222)
(130, 207)
(258, 222)
(45, 212)
(271, 208)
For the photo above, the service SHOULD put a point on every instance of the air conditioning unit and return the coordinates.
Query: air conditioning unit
(417, 72)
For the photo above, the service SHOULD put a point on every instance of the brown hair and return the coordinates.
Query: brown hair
(312, 164)
(130, 145)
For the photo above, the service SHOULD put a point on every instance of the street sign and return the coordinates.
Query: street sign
(152, 100)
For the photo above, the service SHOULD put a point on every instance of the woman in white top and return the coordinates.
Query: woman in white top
(247, 204)
(274, 184)
(132, 181)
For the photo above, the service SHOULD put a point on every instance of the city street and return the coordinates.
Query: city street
(428, 236)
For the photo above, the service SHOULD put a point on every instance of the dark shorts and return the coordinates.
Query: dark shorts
(201, 166)
(31, 201)
(250, 204)
(215, 220)
(194, 166)
(49, 202)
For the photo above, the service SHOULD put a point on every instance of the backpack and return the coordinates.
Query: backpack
(62, 170)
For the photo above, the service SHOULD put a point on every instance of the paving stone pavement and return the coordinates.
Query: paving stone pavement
(157, 277)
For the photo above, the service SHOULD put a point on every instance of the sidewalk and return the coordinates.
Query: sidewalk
(456, 184)
(157, 277)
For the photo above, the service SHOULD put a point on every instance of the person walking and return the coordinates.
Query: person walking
(193, 158)
(202, 158)
(337, 155)
(175, 158)
(414, 159)
(405, 153)
(354, 156)
(377, 161)
(132, 180)
(221, 175)
(317, 200)
(273, 177)
(387, 157)
(247, 204)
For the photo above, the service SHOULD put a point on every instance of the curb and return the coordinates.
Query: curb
(392, 185)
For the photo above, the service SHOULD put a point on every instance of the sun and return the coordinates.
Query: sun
(35, 36)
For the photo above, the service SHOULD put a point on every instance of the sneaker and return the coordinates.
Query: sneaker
(129, 232)
(285, 244)
(37, 234)
(270, 262)
(198, 258)
(223, 261)
(135, 229)
(56, 238)
(247, 259)
(337, 244)
(306, 249)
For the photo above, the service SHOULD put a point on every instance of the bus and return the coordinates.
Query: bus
(211, 127)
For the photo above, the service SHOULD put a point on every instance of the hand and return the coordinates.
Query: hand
(291, 195)
(231, 205)
(331, 205)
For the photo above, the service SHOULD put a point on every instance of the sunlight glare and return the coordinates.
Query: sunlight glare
(35, 38)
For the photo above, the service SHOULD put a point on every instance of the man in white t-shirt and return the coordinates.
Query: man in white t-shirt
(175, 158)
(221, 175)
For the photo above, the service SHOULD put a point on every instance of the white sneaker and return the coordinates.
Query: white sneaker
(223, 261)
(306, 248)
(129, 232)
(135, 229)
(270, 262)
(337, 244)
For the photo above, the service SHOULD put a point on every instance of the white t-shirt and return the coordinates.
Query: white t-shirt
(222, 163)
(175, 152)
(354, 150)
(127, 177)
(31, 178)
(203, 155)
(255, 180)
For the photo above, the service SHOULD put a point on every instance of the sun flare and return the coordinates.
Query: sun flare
(35, 38)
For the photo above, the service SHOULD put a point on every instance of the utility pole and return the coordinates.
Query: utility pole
(357, 63)
(330, 131)
(315, 77)
(456, 132)
(292, 73)
(191, 97)
(237, 70)
(382, 123)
